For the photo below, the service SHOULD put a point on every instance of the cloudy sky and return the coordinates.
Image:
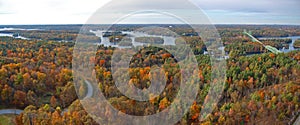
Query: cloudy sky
(218, 11)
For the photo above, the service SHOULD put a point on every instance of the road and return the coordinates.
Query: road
(297, 122)
(10, 111)
(19, 111)
(90, 90)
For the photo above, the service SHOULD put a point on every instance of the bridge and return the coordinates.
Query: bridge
(270, 48)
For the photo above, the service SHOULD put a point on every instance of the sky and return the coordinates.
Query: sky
(218, 11)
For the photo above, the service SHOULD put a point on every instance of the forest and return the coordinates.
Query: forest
(155, 40)
(297, 44)
(260, 87)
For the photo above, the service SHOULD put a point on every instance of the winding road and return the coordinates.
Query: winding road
(10, 111)
(90, 90)
(297, 122)
(19, 111)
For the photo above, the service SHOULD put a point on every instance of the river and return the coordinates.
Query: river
(171, 41)
(291, 45)
(132, 35)
(11, 35)
(14, 29)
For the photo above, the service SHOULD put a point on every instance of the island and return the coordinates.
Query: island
(297, 43)
(150, 40)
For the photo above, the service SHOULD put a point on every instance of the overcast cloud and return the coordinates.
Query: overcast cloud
(219, 11)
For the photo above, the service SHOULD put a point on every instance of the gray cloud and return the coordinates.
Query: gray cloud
(150, 4)
(224, 11)
(257, 6)
(238, 8)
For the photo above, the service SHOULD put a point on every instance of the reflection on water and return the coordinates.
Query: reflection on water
(132, 35)
(291, 45)
(6, 34)
(12, 35)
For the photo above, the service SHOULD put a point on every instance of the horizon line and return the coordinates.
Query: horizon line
(282, 24)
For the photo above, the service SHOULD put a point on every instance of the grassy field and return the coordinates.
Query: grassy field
(7, 119)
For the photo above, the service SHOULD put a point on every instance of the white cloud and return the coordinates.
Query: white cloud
(48, 11)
